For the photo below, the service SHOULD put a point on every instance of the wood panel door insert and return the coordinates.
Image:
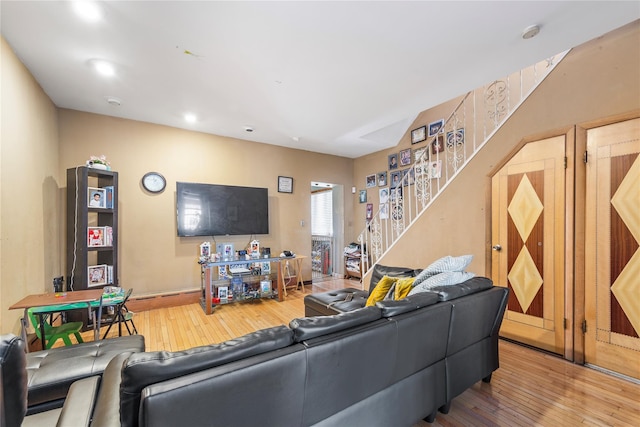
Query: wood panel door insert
(612, 248)
(528, 205)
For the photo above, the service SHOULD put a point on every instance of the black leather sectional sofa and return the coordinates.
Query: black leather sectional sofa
(388, 365)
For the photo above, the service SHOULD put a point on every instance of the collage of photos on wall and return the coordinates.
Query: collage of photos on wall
(400, 172)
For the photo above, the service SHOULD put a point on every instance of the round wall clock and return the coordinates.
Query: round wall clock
(154, 182)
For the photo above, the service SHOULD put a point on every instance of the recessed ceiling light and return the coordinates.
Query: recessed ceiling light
(88, 10)
(190, 118)
(103, 67)
(530, 32)
(248, 129)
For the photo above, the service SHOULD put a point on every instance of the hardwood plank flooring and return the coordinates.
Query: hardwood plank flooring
(531, 388)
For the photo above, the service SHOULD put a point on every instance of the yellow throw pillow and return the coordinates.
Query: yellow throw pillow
(381, 289)
(403, 286)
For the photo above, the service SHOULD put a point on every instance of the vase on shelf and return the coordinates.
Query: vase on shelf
(98, 166)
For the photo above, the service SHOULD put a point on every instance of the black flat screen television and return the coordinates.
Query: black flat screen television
(220, 210)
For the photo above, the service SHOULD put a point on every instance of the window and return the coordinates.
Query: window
(322, 213)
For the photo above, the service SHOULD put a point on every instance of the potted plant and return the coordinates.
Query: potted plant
(98, 162)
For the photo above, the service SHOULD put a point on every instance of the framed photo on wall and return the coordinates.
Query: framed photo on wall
(285, 184)
(419, 134)
(455, 138)
(437, 146)
(393, 161)
(382, 179)
(405, 157)
(396, 178)
(369, 211)
(371, 180)
(363, 196)
(436, 127)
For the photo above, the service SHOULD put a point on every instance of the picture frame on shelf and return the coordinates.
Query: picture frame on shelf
(363, 196)
(96, 237)
(382, 179)
(393, 161)
(96, 275)
(436, 127)
(405, 157)
(285, 184)
(371, 180)
(419, 135)
(96, 197)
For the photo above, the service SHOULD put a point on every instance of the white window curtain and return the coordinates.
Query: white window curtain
(322, 213)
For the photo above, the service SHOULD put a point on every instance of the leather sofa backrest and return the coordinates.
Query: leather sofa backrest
(380, 270)
(413, 302)
(143, 369)
(475, 317)
(263, 390)
(348, 366)
(305, 328)
(468, 287)
(13, 381)
(422, 338)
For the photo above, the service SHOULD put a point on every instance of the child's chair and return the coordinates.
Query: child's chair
(54, 333)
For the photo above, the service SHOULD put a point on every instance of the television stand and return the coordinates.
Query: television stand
(248, 282)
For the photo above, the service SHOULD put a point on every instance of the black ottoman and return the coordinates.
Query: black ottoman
(334, 302)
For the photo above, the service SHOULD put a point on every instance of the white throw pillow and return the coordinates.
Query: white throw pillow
(443, 265)
(443, 279)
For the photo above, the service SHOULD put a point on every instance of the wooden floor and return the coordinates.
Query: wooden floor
(531, 388)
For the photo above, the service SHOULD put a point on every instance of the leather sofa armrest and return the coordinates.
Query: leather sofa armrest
(79, 404)
(107, 410)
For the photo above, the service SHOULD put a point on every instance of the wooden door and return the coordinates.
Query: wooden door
(528, 205)
(612, 254)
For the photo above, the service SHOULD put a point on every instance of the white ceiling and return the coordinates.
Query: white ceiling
(345, 78)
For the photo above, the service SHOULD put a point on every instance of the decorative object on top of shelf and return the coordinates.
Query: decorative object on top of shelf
(154, 182)
(96, 162)
(419, 134)
(285, 184)
(436, 127)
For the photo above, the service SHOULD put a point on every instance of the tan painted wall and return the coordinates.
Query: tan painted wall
(152, 258)
(596, 80)
(30, 200)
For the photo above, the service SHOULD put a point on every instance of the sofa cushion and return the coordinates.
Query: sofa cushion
(334, 302)
(393, 308)
(471, 286)
(380, 270)
(143, 369)
(440, 280)
(442, 265)
(403, 287)
(51, 372)
(310, 327)
(381, 290)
